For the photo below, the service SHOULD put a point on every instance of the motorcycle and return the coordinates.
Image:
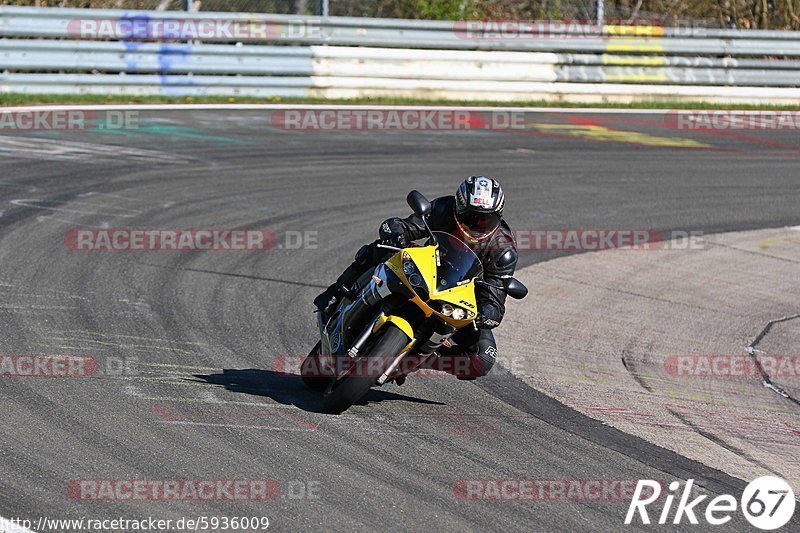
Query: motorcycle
(406, 309)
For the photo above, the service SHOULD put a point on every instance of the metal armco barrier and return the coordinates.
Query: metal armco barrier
(70, 51)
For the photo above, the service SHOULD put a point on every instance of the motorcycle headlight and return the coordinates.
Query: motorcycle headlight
(415, 278)
(450, 310)
(459, 314)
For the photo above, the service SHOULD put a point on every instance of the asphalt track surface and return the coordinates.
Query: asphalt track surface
(204, 333)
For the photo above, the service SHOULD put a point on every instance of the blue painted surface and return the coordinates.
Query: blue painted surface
(137, 31)
(169, 54)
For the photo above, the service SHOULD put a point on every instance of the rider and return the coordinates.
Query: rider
(475, 215)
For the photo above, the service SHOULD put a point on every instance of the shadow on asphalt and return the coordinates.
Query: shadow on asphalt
(289, 389)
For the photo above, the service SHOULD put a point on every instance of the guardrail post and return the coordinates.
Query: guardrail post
(600, 11)
(323, 7)
(187, 5)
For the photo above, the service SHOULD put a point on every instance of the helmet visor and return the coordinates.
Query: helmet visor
(477, 225)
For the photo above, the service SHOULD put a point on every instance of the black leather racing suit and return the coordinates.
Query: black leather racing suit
(473, 352)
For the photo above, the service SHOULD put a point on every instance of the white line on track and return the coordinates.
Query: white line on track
(233, 426)
(31, 202)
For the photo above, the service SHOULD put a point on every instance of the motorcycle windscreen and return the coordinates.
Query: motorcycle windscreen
(457, 262)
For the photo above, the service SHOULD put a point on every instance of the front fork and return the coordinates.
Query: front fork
(403, 325)
(426, 350)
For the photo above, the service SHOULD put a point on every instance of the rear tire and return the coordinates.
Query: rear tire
(348, 390)
(312, 372)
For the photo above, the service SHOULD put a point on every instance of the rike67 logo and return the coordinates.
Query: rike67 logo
(767, 503)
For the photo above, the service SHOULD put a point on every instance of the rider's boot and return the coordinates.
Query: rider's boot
(328, 298)
(425, 362)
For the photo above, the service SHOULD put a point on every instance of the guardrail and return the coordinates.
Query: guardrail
(112, 51)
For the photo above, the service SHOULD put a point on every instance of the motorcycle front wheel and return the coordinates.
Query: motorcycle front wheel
(350, 388)
(313, 372)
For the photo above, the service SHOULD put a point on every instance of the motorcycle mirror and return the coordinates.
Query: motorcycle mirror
(515, 288)
(418, 203)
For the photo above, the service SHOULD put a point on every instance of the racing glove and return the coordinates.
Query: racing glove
(392, 233)
(484, 322)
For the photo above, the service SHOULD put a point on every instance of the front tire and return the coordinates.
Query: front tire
(312, 373)
(349, 389)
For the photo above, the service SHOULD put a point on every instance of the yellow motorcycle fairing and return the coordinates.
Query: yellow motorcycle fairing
(424, 258)
(401, 323)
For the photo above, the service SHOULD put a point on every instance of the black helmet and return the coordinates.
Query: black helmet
(479, 207)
